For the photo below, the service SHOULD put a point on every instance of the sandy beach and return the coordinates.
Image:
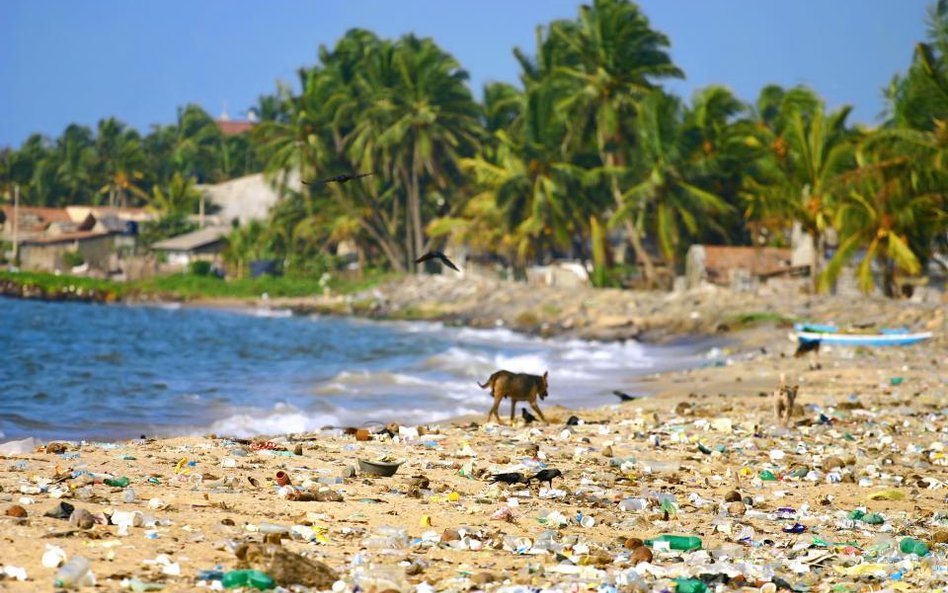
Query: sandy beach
(821, 504)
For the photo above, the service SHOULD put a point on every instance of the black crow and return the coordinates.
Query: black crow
(572, 421)
(438, 255)
(527, 416)
(623, 396)
(338, 178)
(547, 475)
(509, 478)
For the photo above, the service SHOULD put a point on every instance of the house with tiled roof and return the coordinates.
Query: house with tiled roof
(738, 267)
(31, 221)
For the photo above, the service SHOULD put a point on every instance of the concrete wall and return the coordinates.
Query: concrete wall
(96, 252)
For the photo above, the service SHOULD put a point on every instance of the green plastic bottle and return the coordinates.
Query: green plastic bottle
(767, 476)
(677, 542)
(683, 585)
(247, 578)
(870, 518)
(116, 482)
(910, 545)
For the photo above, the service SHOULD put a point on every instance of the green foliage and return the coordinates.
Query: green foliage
(73, 259)
(589, 136)
(165, 227)
(199, 268)
(53, 283)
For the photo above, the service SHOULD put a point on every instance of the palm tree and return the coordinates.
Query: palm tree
(531, 181)
(670, 176)
(419, 121)
(197, 142)
(75, 156)
(121, 161)
(807, 150)
(919, 99)
(617, 59)
(892, 210)
(178, 199)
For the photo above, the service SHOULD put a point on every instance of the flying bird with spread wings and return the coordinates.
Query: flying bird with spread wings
(438, 255)
(338, 178)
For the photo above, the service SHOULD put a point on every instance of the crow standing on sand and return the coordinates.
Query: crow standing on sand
(509, 478)
(527, 416)
(623, 396)
(338, 178)
(547, 475)
(437, 254)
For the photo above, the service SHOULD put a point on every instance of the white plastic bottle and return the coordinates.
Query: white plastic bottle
(74, 573)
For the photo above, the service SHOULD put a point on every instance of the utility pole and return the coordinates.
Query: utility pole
(16, 222)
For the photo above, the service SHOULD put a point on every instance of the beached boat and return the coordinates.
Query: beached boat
(830, 334)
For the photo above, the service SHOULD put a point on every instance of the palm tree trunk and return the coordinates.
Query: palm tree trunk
(416, 210)
(888, 278)
(635, 238)
(388, 246)
(815, 261)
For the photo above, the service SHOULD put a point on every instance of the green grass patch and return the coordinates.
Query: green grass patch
(51, 283)
(196, 286)
(757, 317)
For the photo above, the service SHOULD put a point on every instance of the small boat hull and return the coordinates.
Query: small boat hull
(888, 339)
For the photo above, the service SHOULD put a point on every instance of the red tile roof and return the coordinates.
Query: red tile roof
(34, 218)
(759, 261)
(233, 128)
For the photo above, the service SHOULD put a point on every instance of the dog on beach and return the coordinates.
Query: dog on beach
(785, 398)
(519, 387)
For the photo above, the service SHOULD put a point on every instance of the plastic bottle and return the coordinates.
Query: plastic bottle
(910, 545)
(272, 528)
(633, 504)
(116, 482)
(870, 518)
(128, 495)
(767, 476)
(247, 578)
(73, 574)
(676, 542)
(690, 586)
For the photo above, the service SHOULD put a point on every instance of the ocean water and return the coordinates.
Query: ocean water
(89, 371)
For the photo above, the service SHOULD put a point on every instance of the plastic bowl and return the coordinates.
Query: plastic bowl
(379, 468)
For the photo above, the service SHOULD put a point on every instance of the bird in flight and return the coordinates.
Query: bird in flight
(438, 255)
(338, 178)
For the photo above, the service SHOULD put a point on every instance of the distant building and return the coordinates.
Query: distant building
(204, 244)
(736, 267)
(32, 221)
(229, 127)
(244, 199)
(48, 253)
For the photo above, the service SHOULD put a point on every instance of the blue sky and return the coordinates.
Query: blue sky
(63, 61)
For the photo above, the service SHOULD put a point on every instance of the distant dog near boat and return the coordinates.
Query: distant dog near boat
(519, 387)
(785, 398)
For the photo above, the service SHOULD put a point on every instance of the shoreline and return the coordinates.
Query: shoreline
(619, 464)
(821, 504)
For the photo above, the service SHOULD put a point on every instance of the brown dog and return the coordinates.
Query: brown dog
(519, 387)
(785, 398)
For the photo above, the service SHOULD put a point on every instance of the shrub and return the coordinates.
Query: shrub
(73, 259)
(199, 268)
